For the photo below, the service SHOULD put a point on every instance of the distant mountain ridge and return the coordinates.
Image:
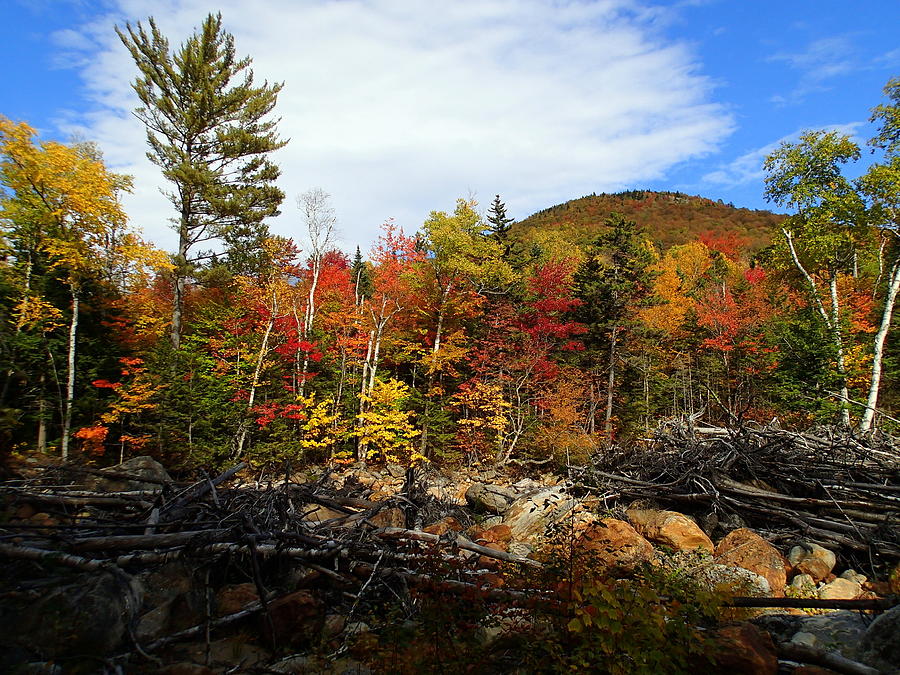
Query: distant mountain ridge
(669, 218)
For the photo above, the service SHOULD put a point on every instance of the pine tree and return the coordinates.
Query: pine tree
(209, 130)
(499, 223)
(613, 280)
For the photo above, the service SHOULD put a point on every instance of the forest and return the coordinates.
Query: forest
(467, 339)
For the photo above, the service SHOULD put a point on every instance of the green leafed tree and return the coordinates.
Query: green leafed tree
(210, 130)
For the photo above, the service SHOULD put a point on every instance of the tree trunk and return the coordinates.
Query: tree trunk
(423, 441)
(610, 383)
(70, 379)
(865, 423)
(180, 273)
(42, 420)
(831, 322)
(839, 345)
(263, 350)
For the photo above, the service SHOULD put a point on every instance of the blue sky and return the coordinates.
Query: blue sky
(398, 107)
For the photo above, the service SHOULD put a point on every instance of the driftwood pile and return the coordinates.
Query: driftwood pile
(356, 550)
(828, 486)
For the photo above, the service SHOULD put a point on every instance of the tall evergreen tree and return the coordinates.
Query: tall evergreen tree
(499, 222)
(209, 130)
(613, 280)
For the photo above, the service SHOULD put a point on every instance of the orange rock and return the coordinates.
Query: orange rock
(25, 511)
(392, 517)
(615, 543)
(744, 649)
(231, 599)
(746, 549)
(498, 534)
(670, 528)
(297, 619)
(443, 526)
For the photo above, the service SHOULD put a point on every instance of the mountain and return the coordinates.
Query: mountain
(669, 218)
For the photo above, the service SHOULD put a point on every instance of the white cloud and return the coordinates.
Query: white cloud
(748, 167)
(820, 61)
(398, 107)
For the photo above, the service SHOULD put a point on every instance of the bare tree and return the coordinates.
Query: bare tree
(318, 214)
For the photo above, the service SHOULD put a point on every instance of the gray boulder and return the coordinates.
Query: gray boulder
(484, 497)
(880, 646)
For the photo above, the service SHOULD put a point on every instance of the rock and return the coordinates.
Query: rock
(498, 534)
(840, 630)
(443, 526)
(853, 575)
(519, 549)
(142, 467)
(236, 654)
(395, 470)
(840, 589)
(490, 498)
(614, 543)
(529, 517)
(669, 528)
(812, 559)
(392, 517)
(803, 586)
(297, 619)
(234, 598)
(334, 625)
(77, 614)
(166, 583)
(316, 513)
(880, 646)
(812, 670)
(744, 548)
(155, 623)
(732, 580)
(744, 649)
(319, 666)
(186, 668)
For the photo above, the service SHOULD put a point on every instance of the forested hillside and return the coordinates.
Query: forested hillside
(669, 218)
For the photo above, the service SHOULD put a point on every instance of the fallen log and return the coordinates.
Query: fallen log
(791, 651)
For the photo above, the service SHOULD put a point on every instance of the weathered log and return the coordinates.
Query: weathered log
(791, 651)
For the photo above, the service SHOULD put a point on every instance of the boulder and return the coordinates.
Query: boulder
(296, 619)
(880, 646)
(744, 649)
(732, 580)
(233, 598)
(443, 526)
(669, 528)
(812, 559)
(614, 543)
(392, 517)
(840, 589)
(746, 549)
(76, 614)
(841, 630)
(484, 497)
(803, 586)
(498, 534)
(529, 517)
(233, 654)
(139, 467)
(316, 513)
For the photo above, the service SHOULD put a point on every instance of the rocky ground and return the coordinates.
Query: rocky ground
(129, 571)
